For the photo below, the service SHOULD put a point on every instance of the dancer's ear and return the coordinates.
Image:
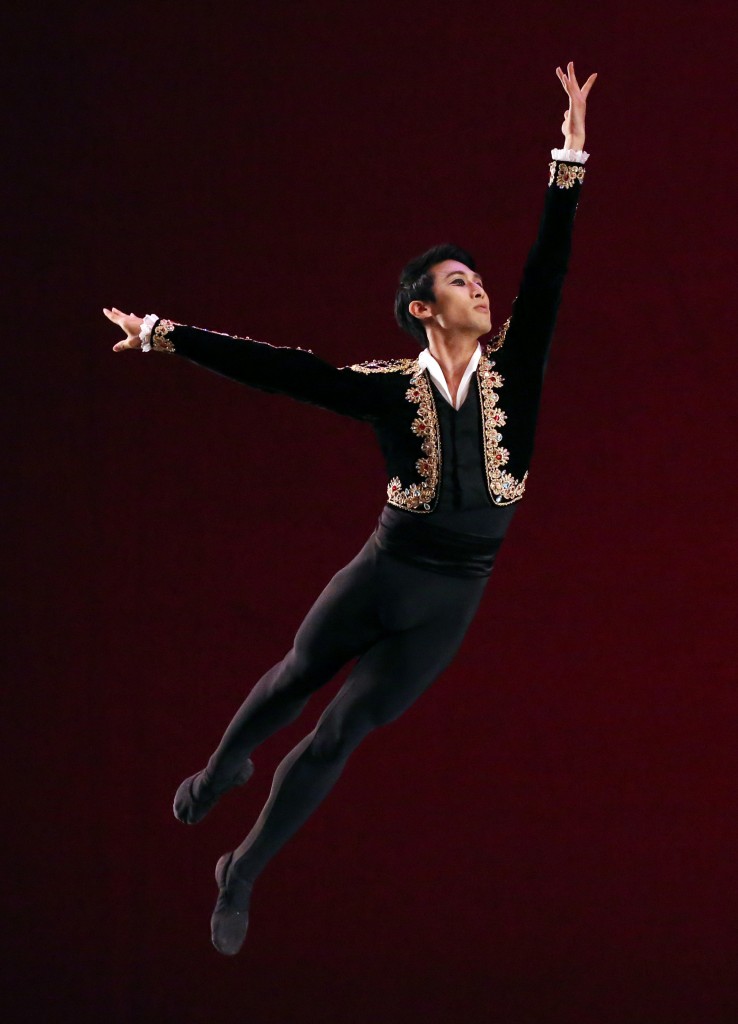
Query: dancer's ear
(420, 310)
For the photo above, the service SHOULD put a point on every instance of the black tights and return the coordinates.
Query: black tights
(404, 624)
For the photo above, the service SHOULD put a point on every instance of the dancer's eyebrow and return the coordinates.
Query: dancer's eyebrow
(461, 273)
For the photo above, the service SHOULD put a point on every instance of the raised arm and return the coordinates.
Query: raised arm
(528, 333)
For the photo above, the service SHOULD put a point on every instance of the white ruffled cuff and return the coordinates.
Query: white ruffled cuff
(572, 156)
(145, 333)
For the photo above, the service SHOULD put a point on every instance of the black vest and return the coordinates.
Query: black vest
(464, 503)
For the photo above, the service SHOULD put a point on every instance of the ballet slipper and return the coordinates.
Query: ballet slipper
(190, 808)
(230, 920)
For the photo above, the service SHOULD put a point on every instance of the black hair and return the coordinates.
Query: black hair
(416, 283)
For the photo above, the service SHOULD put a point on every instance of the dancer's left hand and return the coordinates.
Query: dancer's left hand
(573, 125)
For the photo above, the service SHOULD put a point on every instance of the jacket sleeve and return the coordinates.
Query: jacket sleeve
(528, 333)
(295, 372)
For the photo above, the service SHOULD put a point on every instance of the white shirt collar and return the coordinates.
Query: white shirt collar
(429, 362)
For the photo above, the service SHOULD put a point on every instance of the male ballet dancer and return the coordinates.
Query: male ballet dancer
(456, 425)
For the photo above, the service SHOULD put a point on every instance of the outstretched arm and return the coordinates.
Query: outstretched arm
(294, 372)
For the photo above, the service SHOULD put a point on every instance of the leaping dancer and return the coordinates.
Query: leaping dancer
(456, 424)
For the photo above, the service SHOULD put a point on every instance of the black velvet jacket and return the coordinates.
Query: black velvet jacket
(396, 397)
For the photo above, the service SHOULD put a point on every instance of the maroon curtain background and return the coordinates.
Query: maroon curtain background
(549, 836)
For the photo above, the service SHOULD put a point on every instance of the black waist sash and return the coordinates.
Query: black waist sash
(437, 548)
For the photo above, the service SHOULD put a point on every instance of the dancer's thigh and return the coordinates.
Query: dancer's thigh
(391, 675)
(345, 618)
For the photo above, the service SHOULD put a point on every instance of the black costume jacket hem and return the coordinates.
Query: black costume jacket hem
(396, 397)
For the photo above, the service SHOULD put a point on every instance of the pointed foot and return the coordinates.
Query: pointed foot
(197, 795)
(230, 920)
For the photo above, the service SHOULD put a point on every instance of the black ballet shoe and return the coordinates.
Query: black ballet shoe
(190, 808)
(230, 920)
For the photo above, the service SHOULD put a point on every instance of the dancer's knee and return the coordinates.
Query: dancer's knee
(335, 738)
(299, 673)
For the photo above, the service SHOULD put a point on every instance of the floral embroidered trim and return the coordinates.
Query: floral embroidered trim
(425, 425)
(386, 366)
(159, 340)
(504, 488)
(498, 340)
(567, 175)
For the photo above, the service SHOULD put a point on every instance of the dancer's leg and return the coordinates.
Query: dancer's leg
(424, 617)
(387, 679)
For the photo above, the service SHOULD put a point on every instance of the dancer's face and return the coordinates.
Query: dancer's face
(461, 305)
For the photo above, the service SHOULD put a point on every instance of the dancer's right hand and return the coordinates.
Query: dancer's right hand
(130, 324)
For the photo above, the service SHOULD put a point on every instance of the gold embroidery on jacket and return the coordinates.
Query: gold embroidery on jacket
(386, 366)
(504, 488)
(159, 340)
(567, 174)
(498, 340)
(419, 495)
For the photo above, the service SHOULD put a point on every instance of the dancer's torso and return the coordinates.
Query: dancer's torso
(462, 535)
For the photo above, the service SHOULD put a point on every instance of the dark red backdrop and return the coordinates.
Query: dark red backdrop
(549, 836)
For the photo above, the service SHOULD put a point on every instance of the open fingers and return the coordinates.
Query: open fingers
(115, 314)
(588, 84)
(570, 83)
(128, 323)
